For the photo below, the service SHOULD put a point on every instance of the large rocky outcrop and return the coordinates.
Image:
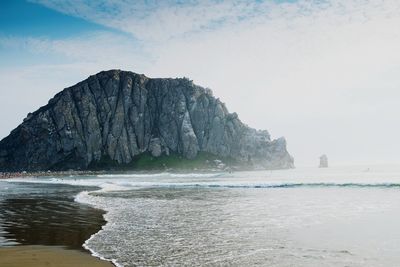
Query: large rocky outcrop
(119, 115)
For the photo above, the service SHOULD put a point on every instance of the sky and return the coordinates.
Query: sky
(325, 74)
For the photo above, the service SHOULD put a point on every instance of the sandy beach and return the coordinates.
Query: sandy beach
(46, 227)
(49, 256)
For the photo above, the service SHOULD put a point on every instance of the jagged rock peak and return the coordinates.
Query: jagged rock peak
(119, 115)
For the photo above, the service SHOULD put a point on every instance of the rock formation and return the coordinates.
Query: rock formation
(323, 161)
(119, 115)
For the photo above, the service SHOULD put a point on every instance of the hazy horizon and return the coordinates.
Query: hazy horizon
(321, 73)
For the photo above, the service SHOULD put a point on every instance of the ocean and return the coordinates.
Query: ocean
(339, 216)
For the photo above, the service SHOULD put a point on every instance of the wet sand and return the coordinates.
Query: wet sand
(47, 256)
(42, 225)
(47, 215)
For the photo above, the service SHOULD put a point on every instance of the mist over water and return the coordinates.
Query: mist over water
(343, 216)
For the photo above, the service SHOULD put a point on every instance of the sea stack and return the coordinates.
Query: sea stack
(118, 116)
(323, 161)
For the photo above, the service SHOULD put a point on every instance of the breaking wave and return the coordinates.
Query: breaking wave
(121, 211)
(116, 183)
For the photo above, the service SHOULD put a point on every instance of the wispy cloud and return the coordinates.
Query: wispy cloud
(97, 47)
(163, 20)
(159, 20)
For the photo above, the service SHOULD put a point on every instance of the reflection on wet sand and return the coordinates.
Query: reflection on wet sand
(48, 215)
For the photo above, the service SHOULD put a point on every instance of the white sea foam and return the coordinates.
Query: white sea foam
(163, 175)
(117, 183)
(134, 175)
(160, 224)
(85, 198)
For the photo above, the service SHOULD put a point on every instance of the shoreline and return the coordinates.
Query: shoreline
(8, 175)
(57, 245)
(24, 174)
(50, 256)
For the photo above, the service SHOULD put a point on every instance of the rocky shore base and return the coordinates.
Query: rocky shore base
(7, 175)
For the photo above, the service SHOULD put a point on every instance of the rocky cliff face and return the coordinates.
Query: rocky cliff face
(120, 115)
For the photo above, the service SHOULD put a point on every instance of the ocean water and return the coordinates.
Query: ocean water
(340, 216)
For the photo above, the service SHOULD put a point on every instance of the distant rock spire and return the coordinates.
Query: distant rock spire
(323, 161)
